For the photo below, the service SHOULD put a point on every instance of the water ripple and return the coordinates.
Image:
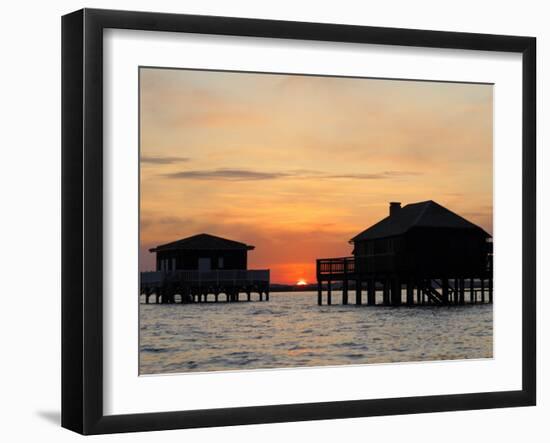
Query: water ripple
(291, 330)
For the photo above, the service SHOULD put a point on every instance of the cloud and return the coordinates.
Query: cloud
(159, 160)
(247, 174)
(226, 174)
(149, 220)
(375, 176)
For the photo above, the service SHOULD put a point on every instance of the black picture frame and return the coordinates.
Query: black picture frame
(82, 219)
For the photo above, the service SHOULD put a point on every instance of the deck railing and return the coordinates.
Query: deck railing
(332, 266)
(198, 277)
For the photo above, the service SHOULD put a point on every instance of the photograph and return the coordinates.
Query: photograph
(294, 221)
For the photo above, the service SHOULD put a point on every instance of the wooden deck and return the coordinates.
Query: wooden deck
(394, 290)
(191, 286)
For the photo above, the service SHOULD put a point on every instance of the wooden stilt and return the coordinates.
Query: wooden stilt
(410, 292)
(345, 291)
(445, 294)
(371, 291)
(490, 289)
(482, 280)
(386, 292)
(454, 297)
(396, 298)
(329, 293)
(358, 289)
(319, 293)
(427, 299)
(462, 297)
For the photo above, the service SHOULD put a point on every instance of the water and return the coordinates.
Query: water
(292, 331)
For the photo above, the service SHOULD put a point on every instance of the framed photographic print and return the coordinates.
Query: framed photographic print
(268, 221)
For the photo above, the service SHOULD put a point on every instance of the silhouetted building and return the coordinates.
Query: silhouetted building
(424, 246)
(422, 239)
(202, 252)
(191, 269)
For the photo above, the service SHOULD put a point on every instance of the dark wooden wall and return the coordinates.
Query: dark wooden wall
(425, 251)
(188, 260)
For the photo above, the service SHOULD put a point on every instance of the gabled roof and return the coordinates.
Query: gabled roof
(415, 215)
(202, 242)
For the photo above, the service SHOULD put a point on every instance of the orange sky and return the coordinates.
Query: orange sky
(297, 165)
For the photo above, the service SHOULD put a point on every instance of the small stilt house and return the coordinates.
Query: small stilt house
(202, 252)
(192, 268)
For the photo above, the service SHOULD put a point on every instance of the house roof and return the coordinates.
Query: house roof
(422, 214)
(202, 242)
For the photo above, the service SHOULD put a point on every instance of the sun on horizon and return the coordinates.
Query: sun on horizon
(301, 282)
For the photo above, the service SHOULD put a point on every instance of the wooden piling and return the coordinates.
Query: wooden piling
(329, 293)
(345, 291)
(395, 291)
(482, 290)
(358, 289)
(445, 290)
(385, 292)
(410, 292)
(319, 293)
(371, 291)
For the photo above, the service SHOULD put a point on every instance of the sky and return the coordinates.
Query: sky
(298, 165)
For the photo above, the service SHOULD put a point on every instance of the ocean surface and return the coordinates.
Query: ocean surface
(292, 331)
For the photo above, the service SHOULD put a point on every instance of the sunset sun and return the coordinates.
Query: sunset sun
(301, 282)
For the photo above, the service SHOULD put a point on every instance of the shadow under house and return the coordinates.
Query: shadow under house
(435, 255)
(191, 269)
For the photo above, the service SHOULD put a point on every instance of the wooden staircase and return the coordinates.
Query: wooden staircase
(432, 293)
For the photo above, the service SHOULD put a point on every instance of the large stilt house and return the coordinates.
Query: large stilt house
(423, 246)
(422, 239)
(192, 268)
